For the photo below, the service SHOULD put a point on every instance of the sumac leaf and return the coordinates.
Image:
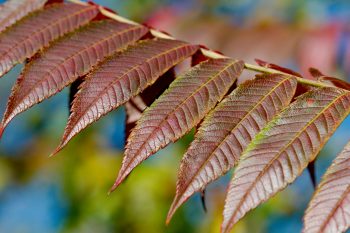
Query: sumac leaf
(181, 107)
(35, 31)
(228, 129)
(67, 59)
(13, 10)
(121, 77)
(329, 209)
(283, 149)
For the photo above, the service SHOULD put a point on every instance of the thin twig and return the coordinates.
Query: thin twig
(273, 71)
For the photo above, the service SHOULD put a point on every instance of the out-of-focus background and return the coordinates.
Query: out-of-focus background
(68, 193)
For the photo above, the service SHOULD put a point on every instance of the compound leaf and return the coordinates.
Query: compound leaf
(283, 149)
(68, 58)
(181, 107)
(228, 129)
(121, 77)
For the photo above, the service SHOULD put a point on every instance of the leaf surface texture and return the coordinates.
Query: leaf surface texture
(283, 149)
(228, 129)
(329, 209)
(13, 10)
(66, 60)
(35, 31)
(181, 107)
(121, 77)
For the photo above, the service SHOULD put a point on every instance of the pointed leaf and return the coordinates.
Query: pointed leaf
(122, 77)
(35, 31)
(329, 209)
(182, 106)
(283, 149)
(228, 129)
(13, 10)
(67, 59)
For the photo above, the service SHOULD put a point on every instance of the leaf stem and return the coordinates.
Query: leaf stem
(207, 52)
(265, 70)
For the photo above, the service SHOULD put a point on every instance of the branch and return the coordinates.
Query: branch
(207, 52)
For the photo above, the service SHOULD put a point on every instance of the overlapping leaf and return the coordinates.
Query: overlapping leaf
(133, 110)
(182, 106)
(73, 90)
(66, 60)
(135, 107)
(13, 10)
(35, 31)
(282, 150)
(122, 77)
(228, 129)
(329, 209)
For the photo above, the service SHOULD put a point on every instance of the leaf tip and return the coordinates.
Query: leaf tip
(2, 128)
(225, 228)
(170, 214)
(3, 124)
(121, 177)
(110, 191)
(55, 152)
(174, 206)
(167, 221)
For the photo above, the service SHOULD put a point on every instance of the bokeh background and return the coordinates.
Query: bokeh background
(68, 193)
